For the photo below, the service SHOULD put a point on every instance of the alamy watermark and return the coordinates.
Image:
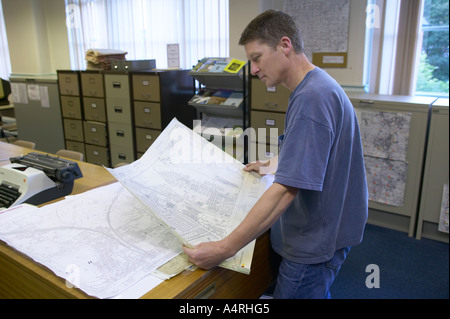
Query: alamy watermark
(373, 279)
(260, 143)
(73, 16)
(373, 17)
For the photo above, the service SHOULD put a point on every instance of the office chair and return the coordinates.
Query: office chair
(70, 154)
(23, 143)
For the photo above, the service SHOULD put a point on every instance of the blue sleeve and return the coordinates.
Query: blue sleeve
(303, 155)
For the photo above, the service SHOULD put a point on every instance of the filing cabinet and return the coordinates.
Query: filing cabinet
(436, 175)
(69, 83)
(147, 114)
(119, 110)
(114, 116)
(95, 119)
(158, 97)
(393, 133)
(75, 146)
(97, 154)
(120, 118)
(73, 130)
(146, 87)
(268, 110)
(95, 133)
(72, 109)
(94, 109)
(144, 138)
(92, 83)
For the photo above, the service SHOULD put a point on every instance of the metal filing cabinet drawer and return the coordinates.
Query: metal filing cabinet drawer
(147, 114)
(270, 99)
(71, 107)
(121, 154)
(92, 84)
(97, 155)
(145, 138)
(120, 134)
(118, 110)
(146, 87)
(68, 83)
(95, 133)
(76, 146)
(94, 109)
(73, 130)
(268, 120)
(117, 86)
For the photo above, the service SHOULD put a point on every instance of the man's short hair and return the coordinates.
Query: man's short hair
(269, 27)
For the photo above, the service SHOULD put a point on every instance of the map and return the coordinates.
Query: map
(199, 191)
(323, 24)
(386, 180)
(384, 136)
(102, 241)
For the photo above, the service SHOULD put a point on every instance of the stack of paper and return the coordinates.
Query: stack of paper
(100, 59)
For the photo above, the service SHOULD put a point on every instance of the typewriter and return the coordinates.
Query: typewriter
(35, 179)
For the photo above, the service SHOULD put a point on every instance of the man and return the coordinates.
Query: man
(317, 206)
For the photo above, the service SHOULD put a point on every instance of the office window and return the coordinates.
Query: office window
(407, 47)
(143, 28)
(5, 61)
(432, 74)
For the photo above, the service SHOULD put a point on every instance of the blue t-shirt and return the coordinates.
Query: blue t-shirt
(320, 154)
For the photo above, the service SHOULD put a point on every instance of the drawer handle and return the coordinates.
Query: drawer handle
(118, 109)
(207, 292)
(120, 133)
(122, 156)
(367, 101)
(270, 122)
(116, 85)
(146, 96)
(271, 105)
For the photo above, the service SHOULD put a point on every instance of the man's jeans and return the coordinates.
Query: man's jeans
(303, 281)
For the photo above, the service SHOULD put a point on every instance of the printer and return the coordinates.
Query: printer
(35, 179)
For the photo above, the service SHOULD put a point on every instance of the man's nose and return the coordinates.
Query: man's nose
(254, 69)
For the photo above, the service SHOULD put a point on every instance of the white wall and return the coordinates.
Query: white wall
(37, 36)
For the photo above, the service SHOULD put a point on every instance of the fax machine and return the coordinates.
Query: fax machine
(35, 179)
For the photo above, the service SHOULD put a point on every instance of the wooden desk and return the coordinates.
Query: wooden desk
(21, 277)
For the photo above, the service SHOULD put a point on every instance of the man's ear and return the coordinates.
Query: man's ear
(286, 45)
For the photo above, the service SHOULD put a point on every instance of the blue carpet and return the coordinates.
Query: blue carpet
(408, 268)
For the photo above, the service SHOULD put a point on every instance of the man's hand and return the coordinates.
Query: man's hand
(263, 168)
(208, 255)
(256, 166)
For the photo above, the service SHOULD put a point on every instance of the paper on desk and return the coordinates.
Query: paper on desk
(103, 241)
(200, 192)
